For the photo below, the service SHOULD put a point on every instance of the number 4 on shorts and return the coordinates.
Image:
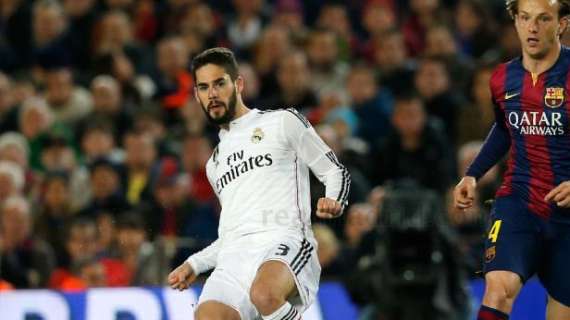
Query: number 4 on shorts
(494, 232)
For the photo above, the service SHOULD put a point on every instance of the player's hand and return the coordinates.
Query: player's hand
(181, 277)
(328, 208)
(464, 193)
(560, 195)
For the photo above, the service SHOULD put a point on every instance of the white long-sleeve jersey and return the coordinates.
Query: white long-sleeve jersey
(260, 173)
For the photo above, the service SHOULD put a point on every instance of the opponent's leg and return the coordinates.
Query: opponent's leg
(556, 310)
(501, 289)
(213, 310)
(272, 286)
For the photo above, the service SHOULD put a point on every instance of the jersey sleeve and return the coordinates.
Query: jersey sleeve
(496, 144)
(205, 259)
(313, 151)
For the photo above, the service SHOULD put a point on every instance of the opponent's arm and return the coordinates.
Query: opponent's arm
(312, 150)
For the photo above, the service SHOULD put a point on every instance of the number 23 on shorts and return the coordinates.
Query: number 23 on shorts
(494, 232)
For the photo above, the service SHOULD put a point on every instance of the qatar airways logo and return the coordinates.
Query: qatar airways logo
(536, 123)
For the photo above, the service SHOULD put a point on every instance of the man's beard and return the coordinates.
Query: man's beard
(228, 115)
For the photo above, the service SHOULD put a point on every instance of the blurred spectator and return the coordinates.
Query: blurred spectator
(395, 69)
(16, 34)
(34, 120)
(14, 147)
(50, 41)
(423, 15)
(433, 83)
(81, 246)
(140, 166)
(371, 104)
(107, 106)
(415, 140)
(106, 189)
(328, 73)
(174, 82)
(8, 107)
(328, 248)
(136, 253)
(334, 16)
(289, 14)
(200, 28)
(273, 46)
(11, 180)
(361, 219)
(252, 87)
(475, 120)
(135, 88)
(246, 25)
(441, 44)
(25, 261)
(98, 141)
(55, 212)
(476, 31)
(116, 36)
(294, 80)
(69, 103)
(196, 151)
(378, 17)
(82, 15)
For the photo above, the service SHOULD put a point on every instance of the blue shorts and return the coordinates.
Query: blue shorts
(524, 243)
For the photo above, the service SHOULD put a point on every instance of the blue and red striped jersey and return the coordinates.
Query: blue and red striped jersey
(532, 124)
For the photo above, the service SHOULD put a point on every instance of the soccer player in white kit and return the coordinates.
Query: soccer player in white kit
(265, 256)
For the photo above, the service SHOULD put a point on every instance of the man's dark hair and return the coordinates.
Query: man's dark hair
(563, 11)
(219, 56)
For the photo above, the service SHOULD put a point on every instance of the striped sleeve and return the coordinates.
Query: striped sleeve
(314, 152)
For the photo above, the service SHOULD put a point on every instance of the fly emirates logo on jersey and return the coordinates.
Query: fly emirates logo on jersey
(536, 123)
(239, 165)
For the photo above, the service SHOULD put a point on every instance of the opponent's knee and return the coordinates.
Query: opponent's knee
(265, 299)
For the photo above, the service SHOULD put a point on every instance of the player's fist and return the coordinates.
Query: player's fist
(328, 208)
(464, 193)
(181, 277)
(560, 195)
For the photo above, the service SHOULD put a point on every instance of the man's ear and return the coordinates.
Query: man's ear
(562, 25)
(240, 82)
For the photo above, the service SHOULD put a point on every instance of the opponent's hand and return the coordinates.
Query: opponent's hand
(181, 277)
(560, 195)
(328, 208)
(464, 193)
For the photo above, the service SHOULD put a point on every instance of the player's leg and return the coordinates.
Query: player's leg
(270, 290)
(213, 310)
(501, 289)
(556, 310)
(512, 253)
(554, 272)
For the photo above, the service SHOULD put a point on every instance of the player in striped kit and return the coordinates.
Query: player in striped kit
(530, 219)
(265, 257)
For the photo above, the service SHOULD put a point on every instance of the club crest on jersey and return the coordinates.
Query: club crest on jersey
(490, 254)
(257, 135)
(554, 97)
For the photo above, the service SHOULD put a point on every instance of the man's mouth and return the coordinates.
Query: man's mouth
(532, 41)
(215, 106)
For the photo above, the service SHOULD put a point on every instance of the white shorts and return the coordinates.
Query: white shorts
(231, 280)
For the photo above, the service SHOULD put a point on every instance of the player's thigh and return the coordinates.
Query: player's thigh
(274, 279)
(554, 273)
(556, 310)
(513, 241)
(214, 310)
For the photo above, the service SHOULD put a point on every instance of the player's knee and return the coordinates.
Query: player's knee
(501, 291)
(212, 311)
(265, 299)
